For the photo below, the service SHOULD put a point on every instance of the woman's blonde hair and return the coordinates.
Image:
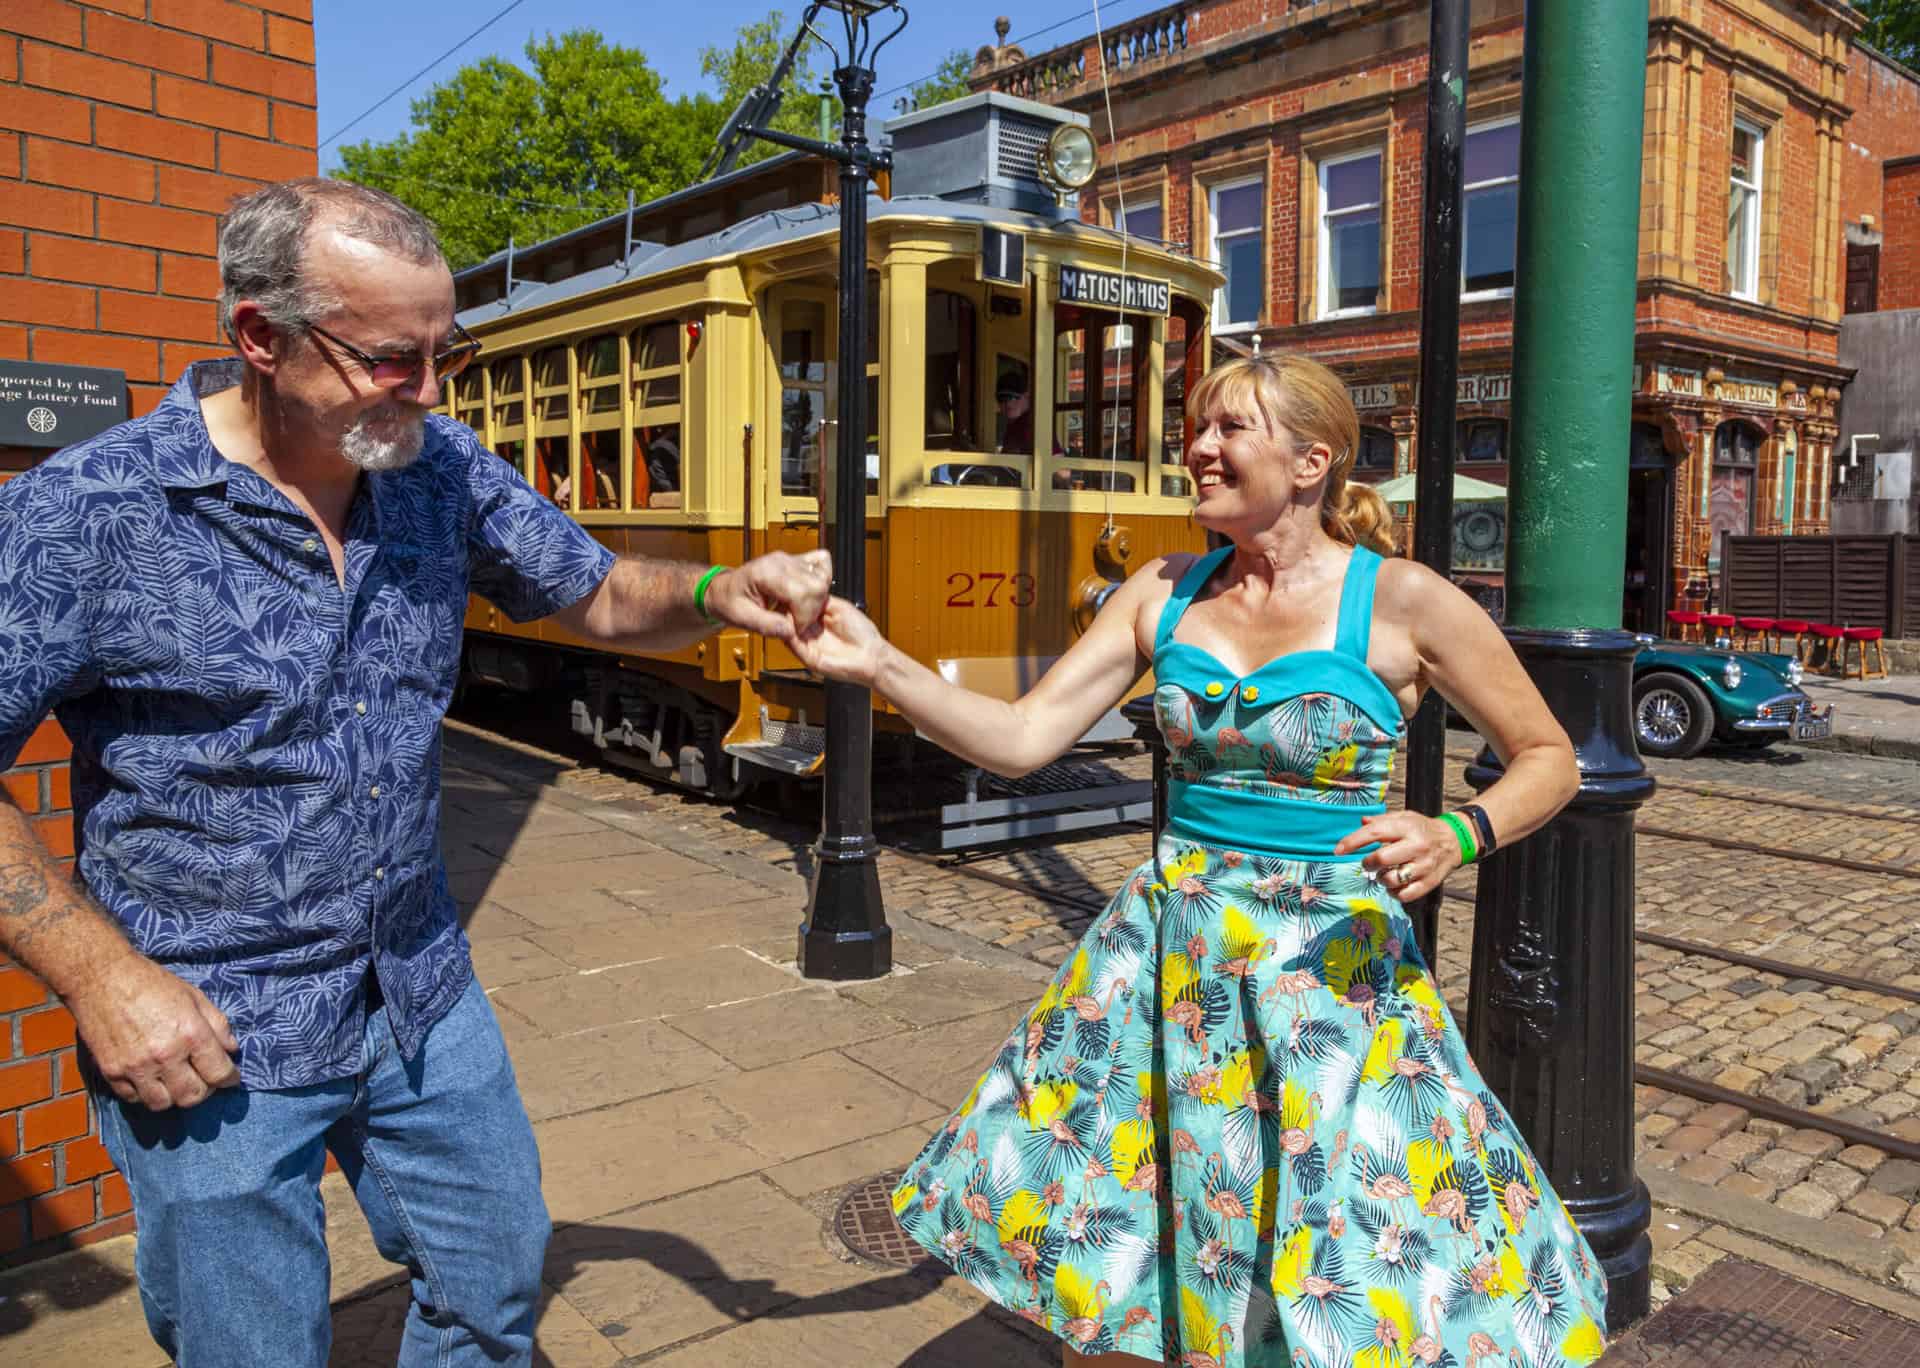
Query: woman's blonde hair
(1298, 395)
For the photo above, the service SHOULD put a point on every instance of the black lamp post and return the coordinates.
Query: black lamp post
(845, 934)
(1439, 373)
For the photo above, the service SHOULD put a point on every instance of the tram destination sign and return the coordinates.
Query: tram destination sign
(43, 405)
(1111, 290)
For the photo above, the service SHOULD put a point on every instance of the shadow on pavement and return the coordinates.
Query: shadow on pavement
(76, 1282)
(369, 1330)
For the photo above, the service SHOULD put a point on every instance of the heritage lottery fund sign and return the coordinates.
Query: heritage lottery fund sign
(54, 406)
(1111, 290)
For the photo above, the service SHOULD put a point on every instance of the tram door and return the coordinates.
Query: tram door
(1649, 533)
(796, 471)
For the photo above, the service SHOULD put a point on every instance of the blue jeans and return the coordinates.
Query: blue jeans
(232, 1255)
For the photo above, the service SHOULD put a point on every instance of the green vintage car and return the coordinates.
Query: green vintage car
(1685, 695)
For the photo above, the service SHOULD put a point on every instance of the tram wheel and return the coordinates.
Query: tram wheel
(1671, 715)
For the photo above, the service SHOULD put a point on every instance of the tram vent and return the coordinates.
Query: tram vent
(983, 149)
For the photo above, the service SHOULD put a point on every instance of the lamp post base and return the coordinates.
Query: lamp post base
(1552, 986)
(845, 934)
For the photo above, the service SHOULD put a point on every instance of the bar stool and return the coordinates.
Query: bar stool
(1714, 625)
(1686, 625)
(1791, 627)
(1832, 635)
(1751, 627)
(1855, 640)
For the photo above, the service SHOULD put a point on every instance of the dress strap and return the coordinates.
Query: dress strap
(1183, 593)
(1355, 628)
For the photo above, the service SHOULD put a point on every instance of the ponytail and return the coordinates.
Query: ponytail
(1357, 515)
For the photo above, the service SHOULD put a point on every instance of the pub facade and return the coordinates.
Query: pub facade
(1285, 144)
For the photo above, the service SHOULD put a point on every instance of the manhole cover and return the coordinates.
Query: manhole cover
(1739, 1313)
(865, 1224)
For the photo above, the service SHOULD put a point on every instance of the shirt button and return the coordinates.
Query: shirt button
(374, 792)
(380, 872)
(309, 545)
(360, 708)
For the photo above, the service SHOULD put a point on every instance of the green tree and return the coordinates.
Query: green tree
(497, 151)
(948, 82)
(749, 62)
(1893, 26)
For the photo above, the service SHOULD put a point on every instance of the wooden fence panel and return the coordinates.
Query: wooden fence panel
(1806, 578)
(1853, 581)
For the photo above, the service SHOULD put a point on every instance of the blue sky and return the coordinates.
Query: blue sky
(365, 48)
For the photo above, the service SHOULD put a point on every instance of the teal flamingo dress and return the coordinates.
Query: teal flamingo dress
(1241, 1127)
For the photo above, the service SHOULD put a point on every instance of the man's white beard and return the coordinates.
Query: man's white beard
(385, 439)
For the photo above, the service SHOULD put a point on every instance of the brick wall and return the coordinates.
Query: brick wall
(1885, 98)
(1900, 223)
(126, 126)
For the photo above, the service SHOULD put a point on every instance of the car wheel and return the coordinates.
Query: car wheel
(1671, 715)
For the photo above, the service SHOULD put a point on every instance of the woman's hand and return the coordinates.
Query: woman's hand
(844, 645)
(1414, 855)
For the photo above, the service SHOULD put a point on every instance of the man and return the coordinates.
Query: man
(246, 610)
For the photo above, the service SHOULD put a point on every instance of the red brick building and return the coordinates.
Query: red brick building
(126, 126)
(1285, 142)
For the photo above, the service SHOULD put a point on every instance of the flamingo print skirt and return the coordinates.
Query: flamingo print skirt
(1241, 1128)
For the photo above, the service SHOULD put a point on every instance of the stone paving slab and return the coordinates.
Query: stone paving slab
(658, 985)
(565, 1074)
(775, 1030)
(681, 1268)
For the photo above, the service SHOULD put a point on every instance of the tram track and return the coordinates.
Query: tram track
(1664, 1079)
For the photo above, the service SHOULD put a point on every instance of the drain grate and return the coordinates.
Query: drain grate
(865, 1224)
(1739, 1313)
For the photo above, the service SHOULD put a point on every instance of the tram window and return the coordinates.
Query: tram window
(513, 453)
(1012, 406)
(803, 341)
(657, 364)
(600, 469)
(470, 400)
(802, 412)
(550, 384)
(1093, 477)
(1480, 439)
(600, 374)
(656, 452)
(1376, 449)
(509, 406)
(951, 372)
(550, 474)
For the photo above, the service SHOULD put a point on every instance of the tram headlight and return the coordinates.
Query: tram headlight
(1070, 157)
(1732, 674)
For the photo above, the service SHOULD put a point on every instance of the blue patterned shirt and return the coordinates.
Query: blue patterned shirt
(256, 751)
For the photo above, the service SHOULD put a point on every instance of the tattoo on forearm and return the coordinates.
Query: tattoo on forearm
(24, 911)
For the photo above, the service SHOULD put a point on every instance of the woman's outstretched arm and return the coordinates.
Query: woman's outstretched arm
(1007, 738)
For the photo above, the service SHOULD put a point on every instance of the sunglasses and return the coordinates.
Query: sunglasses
(391, 370)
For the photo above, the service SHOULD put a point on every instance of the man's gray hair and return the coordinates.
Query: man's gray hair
(263, 243)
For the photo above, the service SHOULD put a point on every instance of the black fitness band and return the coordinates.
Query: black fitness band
(1477, 815)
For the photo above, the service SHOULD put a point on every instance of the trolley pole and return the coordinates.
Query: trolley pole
(1439, 383)
(1553, 975)
(845, 934)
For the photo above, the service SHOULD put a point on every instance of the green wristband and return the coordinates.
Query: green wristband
(1468, 851)
(700, 595)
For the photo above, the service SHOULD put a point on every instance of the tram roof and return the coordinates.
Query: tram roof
(768, 229)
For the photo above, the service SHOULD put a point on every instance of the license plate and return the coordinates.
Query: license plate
(1813, 728)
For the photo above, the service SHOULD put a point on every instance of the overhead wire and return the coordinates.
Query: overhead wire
(1120, 218)
(503, 13)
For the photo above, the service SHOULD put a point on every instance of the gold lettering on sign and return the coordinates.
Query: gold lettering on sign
(1739, 390)
(1673, 380)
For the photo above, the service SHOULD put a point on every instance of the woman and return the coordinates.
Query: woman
(1241, 1128)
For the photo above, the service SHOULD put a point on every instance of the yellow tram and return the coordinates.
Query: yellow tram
(667, 375)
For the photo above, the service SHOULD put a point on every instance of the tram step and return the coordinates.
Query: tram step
(796, 760)
(986, 821)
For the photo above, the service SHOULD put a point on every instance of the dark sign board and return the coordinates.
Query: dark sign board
(43, 405)
(1111, 290)
(1003, 256)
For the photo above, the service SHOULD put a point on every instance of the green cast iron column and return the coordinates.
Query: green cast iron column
(1583, 97)
(1552, 984)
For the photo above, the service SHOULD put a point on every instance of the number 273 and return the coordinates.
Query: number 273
(990, 583)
